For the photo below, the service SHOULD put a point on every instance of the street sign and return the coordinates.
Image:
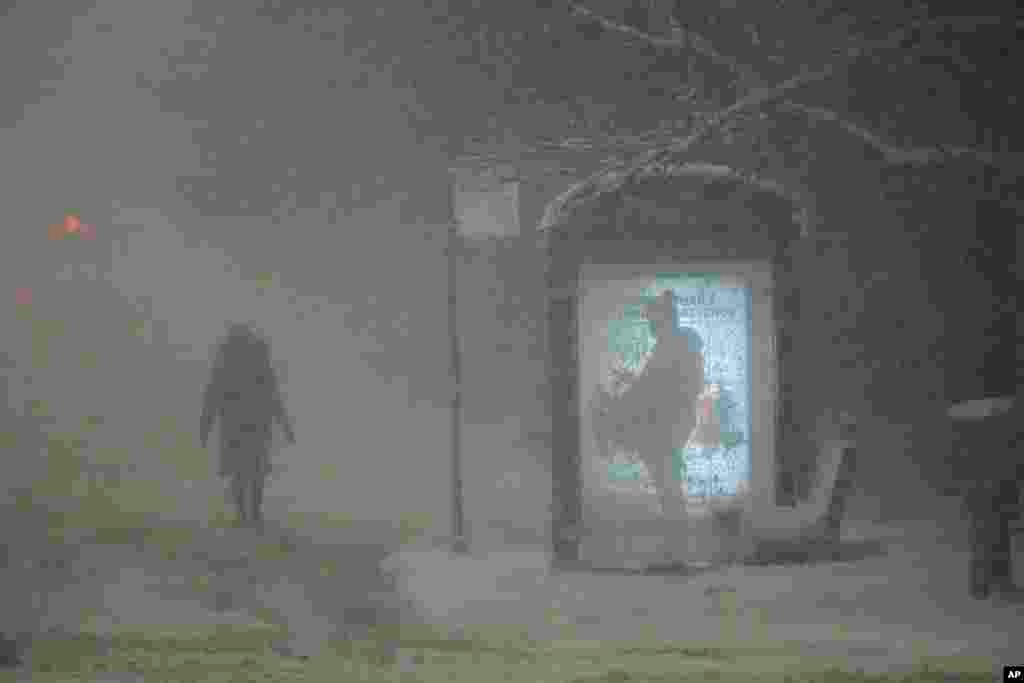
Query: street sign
(487, 204)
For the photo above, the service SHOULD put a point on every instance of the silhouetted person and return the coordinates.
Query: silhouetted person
(243, 395)
(654, 412)
(665, 396)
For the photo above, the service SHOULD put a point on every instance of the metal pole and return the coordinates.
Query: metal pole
(459, 541)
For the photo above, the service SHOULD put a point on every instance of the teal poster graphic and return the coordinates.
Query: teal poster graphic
(715, 460)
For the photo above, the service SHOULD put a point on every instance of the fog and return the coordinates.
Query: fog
(236, 168)
(352, 318)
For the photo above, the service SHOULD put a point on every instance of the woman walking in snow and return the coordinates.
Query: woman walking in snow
(244, 397)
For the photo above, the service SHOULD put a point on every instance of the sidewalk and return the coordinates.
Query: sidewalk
(318, 581)
(879, 614)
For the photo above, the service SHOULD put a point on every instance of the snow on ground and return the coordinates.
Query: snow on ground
(323, 583)
(878, 613)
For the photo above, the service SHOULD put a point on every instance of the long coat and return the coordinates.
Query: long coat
(244, 397)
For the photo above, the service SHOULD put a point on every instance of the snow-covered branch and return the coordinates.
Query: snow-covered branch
(711, 122)
(799, 197)
(752, 99)
(662, 161)
(613, 176)
(895, 155)
(613, 181)
(681, 39)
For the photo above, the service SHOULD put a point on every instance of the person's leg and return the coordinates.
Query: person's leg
(258, 476)
(243, 499)
(252, 498)
(659, 473)
(237, 488)
(662, 466)
(258, 482)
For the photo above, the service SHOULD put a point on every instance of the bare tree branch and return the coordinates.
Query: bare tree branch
(683, 40)
(689, 40)
(654, 141)
(613, 181)
(752, 99)
(797, 195)
(900, 156)
(764, 94)
(613, 175)
(757, 96)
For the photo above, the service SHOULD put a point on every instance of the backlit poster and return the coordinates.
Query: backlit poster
(684, 388)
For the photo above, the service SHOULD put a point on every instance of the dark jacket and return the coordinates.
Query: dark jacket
(244, 396)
